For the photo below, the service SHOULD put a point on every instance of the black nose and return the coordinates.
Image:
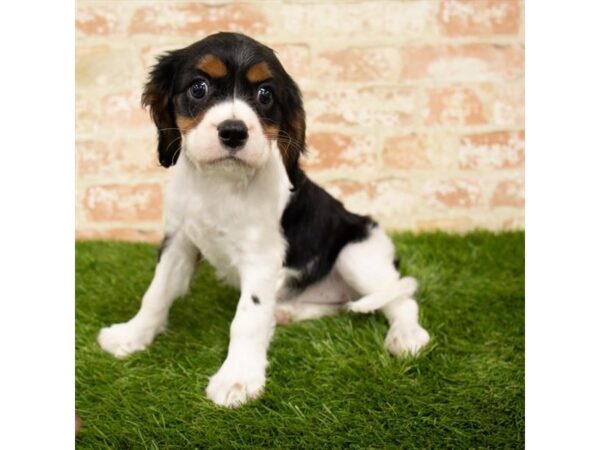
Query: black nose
(233, 133)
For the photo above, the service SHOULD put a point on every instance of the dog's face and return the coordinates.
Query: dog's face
(226, 100)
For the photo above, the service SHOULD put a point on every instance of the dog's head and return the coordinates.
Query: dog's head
(226, 100)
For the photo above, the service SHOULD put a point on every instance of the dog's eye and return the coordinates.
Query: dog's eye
(264, 96)
(198, 89)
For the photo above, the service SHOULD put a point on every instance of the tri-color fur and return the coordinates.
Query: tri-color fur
(231, 121)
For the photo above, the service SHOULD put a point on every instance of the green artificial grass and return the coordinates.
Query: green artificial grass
(331, 383)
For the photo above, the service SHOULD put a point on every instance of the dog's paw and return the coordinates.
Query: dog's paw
(122, 339)
(232, 385)
(402, 290)
(405, 339)
(409, 286)
(284, 314)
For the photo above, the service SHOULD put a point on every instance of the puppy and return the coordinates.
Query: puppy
(231, 122)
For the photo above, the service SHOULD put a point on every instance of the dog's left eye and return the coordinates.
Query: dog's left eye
(198, 89)
(264, 96)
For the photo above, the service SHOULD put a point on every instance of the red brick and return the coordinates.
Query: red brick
(503, 103)
(402, 19)
(120, 234)
(197, 19)
(86, 114)
(294, 58)
(454, 193)
(498, 150)
(124, 109)
(406, 152)
(454, 106)
(330, 151)
(118, 202)
(356, 196)
(356, 64)
(105, 66)
(470, 62)
(123, 156)
(479, 17)
(91, 157)
(97, 20)
(362, 106)
(342, 189)
(510, 192)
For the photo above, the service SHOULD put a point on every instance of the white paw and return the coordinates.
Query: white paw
(364, 305)
(284, 314)
(234, 385)
(122, 339)
(405, 339)
(402, 290)
(409, 286)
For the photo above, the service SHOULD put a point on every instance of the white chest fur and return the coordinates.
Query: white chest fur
(232, 214)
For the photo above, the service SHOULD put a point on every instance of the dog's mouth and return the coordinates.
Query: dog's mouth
(229, 160)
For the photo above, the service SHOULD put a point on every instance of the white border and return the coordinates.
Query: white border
(563, 224)
(37, 225)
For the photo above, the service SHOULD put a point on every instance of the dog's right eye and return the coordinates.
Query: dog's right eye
(198, 89)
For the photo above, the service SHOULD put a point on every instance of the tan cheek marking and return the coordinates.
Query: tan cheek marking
(258, 72)
(271, 131)
(185, 124)
(212, 65)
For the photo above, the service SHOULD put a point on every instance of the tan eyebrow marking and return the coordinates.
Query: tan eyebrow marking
(212, 65)
(258, 72)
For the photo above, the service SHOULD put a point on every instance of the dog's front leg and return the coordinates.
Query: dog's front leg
(171, 280)
(242, 375)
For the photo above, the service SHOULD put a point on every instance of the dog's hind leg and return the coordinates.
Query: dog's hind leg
(323, 298)
(295, 311)
(368, 268)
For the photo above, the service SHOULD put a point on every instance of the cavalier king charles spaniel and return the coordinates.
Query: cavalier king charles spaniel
(230, 120)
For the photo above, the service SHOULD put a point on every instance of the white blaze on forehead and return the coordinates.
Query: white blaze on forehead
(231, 109)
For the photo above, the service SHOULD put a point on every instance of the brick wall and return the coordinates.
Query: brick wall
(415, 108)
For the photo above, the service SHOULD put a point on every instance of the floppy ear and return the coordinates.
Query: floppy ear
(158, 94)
(291, 140)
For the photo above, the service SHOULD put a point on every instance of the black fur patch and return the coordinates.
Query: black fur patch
(255, 300)
(317, 227)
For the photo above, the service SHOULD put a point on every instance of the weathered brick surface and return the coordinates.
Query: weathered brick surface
(119, 202)
(196, 19)
(498, 150)
(468, 62)
(366, 107)
(406, 152)
(510, 192)
(356, 64)
(415, 109)
(454, 193)
(454, 106)
(480, 17)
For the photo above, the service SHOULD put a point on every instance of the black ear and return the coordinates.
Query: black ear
(291, 141)
(158, 95)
